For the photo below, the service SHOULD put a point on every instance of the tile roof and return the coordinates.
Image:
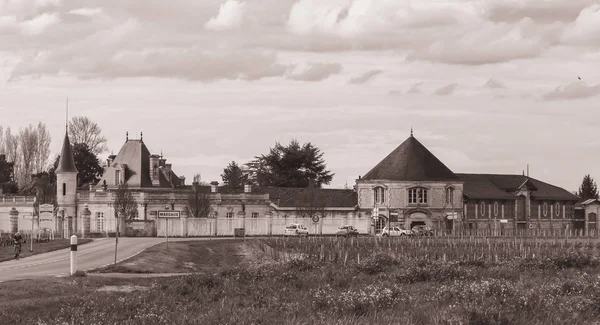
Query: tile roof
(411, 161)
(291, 196)
(504, 186)
(66, 164)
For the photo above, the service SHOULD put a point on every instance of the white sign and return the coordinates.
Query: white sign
(46, 208)
(452, 216)
(503, 220)
(168, 214)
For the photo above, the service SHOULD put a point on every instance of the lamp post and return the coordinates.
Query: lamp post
(167, 229)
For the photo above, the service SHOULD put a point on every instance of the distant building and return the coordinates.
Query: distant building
(409, 187)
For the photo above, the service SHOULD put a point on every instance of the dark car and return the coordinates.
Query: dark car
(422, 231)
(347, 231)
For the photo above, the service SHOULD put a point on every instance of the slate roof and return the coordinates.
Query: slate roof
(295, 196)
(411, 161)
(135, 155)
(504, 186)
(66, 164)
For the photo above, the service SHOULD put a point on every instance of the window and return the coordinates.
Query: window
(545, 209)
(229, 215)
(254, 215)
(496, 209)
(64, 189)
(117, 177)
(449, 195)
(99, 221)
(379, 195)
(482, 208)
(417, 195)
(136, 215)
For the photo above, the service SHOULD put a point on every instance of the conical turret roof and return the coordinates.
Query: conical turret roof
(66, 164)
(411, 161)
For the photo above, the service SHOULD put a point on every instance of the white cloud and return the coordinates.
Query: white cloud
(446, 90)
(39, 24)
(230, 16)
(88, 12)
(493, 83)
(365, 77)
(585, 30)
(574, 90)
(317, 72)
(415, 89)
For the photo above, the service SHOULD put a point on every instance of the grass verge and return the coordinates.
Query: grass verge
(7, 253)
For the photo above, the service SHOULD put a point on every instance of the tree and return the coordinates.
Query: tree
(233, 176)
(198, 203)
(86, 162)
(588, 189)
(124, 203)
(42, 187)
(84, 130)
(11, 148)
(290, 166)
(7, 183)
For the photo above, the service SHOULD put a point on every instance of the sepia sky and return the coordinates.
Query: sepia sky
(488, 86)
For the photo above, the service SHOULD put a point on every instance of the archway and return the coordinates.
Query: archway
(418, 218)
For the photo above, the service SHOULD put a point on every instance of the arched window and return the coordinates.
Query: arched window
(496, 209)
(449, 195)
(379, 195)
(482, 208)
(64, 189)
(545, 209)
(417, 195)
(557, 209)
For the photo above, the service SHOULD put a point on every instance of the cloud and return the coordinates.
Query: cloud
(365, 77)
(415, 89)
(191, 64)
(395, 92)
(38, 24)
(446, 90)
(230, 16)
(317, 72)
(585, 30)
(538, 11)
(87, 12)
(574, 90)
(494, 84)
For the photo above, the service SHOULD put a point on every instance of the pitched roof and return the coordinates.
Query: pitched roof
(135, 156)
(289, 197)
(504, 186)
(66, 164)
(411, 161)
(294, 196)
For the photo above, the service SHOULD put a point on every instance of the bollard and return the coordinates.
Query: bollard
(73, 254)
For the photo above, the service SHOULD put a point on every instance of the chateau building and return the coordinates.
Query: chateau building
(409, 187)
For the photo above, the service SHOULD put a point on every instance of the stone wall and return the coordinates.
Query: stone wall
(140, 228)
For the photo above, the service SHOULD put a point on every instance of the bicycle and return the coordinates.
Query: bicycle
(17, 251)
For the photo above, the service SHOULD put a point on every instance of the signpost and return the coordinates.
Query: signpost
(168, 215)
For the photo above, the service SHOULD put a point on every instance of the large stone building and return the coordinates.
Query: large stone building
(407, 188)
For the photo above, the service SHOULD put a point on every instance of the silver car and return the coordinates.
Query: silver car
(296, 229)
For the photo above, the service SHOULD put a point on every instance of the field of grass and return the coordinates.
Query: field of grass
(299, 286)
(7, 252)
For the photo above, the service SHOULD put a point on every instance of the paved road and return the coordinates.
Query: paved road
(92, 255)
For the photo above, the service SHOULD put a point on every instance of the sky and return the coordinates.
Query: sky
(487, 86)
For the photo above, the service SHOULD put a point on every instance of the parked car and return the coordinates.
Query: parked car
(422, 231)
(347, 231)
(296, 229)
(395, 232)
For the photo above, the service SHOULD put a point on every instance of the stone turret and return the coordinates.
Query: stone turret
(66, 187)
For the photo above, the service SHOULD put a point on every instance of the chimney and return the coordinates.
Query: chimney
(182, 180)
(213, 186)
(247, 188)
(110, 159)
(161, 162)
(168, 167)
(154, 170)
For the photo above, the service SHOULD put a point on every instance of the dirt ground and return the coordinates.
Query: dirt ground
(186, 256)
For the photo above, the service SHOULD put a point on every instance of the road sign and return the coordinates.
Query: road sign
(315, 219)
(168, 214)
(49, 208)
(503, 221)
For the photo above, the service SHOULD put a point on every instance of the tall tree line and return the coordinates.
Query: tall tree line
(28, 150)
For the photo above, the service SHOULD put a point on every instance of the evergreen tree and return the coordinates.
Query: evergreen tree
(233, 176)
(293, 165)
(588, 189)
